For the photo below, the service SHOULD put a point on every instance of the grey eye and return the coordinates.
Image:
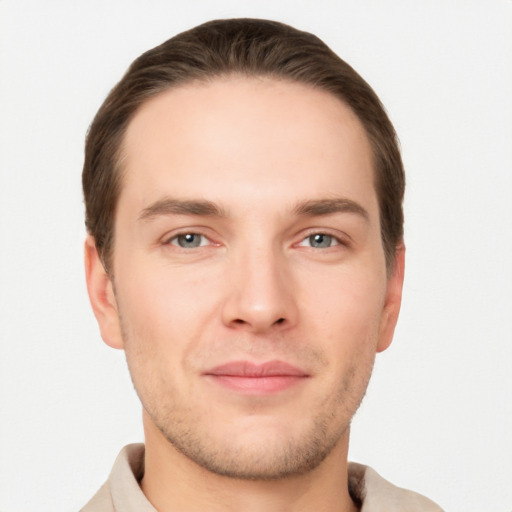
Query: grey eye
(321, 241)
(189, 240)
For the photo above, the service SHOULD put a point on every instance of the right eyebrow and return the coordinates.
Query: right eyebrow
(173, 206)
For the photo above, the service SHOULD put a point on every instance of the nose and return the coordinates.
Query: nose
(260, 295)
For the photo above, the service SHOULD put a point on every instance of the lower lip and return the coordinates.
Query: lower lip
(258, 385)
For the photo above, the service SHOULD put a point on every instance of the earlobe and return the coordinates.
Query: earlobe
(101, 296)
(393, 300)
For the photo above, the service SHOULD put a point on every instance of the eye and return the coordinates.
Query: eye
(189, 240)
(320, 241)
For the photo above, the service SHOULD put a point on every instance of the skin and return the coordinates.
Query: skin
(278, 164)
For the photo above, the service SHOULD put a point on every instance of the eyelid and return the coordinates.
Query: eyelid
(342, 238)
(194, 230)
(201, 244)
(335, 241)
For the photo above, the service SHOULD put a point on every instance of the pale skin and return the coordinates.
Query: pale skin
(247, 229)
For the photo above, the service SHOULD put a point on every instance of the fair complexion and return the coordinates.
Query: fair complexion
(249, 292)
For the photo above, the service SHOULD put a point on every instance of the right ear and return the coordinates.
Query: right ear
(101, 295)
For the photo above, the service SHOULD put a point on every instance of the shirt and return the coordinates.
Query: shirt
(121, 492)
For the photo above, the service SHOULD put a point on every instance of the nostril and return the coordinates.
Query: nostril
(256, 325)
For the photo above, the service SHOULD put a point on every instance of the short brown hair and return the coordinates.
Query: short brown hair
(250, 47)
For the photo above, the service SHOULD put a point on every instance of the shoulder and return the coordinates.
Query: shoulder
(378, 495)
(121, 492)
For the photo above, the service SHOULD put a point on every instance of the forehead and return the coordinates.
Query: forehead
(255, 138)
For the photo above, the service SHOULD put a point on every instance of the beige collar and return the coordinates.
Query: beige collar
(121, 492)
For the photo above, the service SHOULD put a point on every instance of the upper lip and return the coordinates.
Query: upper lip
(249, 369)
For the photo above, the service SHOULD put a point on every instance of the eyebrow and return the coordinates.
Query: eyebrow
(200, 207)
(172, 206)
(318, 207)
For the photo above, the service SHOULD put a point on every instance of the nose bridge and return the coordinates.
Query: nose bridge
(261, 290)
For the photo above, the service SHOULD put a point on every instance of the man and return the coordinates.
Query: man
(243, 191)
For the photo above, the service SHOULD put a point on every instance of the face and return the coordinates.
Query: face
(250, 290)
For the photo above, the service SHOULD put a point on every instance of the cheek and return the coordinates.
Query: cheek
(347, 309)
(348, 330)
(166, 309)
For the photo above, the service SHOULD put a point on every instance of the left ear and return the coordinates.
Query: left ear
(393, 300)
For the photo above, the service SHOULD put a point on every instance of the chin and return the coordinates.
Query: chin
(258, 454)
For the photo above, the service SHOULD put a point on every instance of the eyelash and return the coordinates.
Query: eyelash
(177, 236)
(333, 240)
(337, 240)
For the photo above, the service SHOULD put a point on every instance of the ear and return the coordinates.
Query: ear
(393, 300)
(101, 295)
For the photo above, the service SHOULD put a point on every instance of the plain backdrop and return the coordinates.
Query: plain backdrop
(437, 417)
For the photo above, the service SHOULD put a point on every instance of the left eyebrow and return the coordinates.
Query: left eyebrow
(316, 207)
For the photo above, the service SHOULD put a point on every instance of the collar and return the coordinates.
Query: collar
(122, 493)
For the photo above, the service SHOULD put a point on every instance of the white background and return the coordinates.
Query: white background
(438, 415)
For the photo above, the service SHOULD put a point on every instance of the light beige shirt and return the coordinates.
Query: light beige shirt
(121, 492)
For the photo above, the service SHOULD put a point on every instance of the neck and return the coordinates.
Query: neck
(173, 482)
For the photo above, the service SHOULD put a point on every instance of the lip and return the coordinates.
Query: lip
(250, 378)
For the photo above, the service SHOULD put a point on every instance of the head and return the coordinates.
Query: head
(243, 189)
(252, 48)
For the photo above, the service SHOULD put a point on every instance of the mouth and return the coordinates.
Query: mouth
(249, 378)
